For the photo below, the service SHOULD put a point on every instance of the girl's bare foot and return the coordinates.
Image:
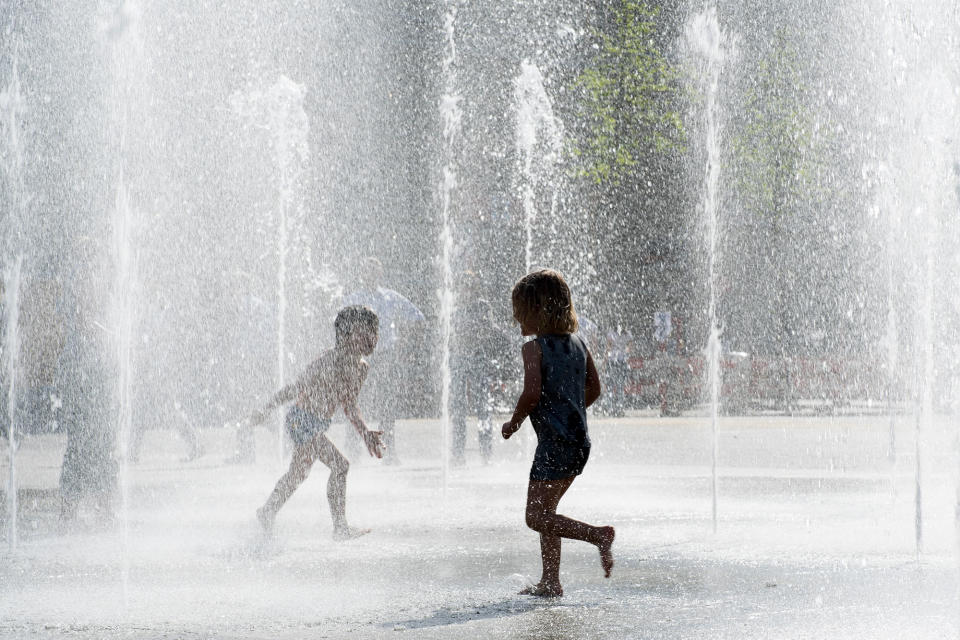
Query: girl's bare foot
(606, 549)
(348, 533)
(542, 590)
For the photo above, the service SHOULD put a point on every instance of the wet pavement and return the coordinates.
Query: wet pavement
(815, 537)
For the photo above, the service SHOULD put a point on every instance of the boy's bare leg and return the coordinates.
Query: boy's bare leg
(300, 464)
(328, 454)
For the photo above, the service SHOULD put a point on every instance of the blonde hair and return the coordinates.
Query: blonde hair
(542, 301)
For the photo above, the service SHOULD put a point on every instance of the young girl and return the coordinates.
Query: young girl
(559, 382)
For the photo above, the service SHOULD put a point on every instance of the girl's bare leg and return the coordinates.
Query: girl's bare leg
(300, 463)
(542, 500)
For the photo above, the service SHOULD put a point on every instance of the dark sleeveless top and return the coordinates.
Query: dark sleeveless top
(561, 411)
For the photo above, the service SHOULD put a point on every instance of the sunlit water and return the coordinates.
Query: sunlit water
(450, 115)
(206, 178)
(707, 39)
(278, 109)
(802, 550)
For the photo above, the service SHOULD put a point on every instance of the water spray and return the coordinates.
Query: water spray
(706, 37)
(451, 116)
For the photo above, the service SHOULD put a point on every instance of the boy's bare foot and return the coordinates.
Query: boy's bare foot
(265, 519)
(348, 533)
(541, 590)
(606, 550)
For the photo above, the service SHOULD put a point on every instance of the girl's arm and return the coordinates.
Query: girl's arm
(530, 396)
(592, 388)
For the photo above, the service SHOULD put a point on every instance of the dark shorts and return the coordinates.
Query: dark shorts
(557, 458)
(303, 426)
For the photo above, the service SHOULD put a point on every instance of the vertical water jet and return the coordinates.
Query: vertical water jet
(709, 41)
(450, 115)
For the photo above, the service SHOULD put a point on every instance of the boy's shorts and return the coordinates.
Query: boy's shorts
(303, 426)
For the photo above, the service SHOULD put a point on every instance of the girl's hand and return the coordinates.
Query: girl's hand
(374, 442)
(508, 429)
(257, 417)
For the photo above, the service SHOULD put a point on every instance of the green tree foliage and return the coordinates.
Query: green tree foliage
(771, 148)
(797, 222)
(631, 97)
(787, 147)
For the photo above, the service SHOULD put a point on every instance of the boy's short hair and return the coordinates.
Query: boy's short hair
(354, 318)
(542, 299)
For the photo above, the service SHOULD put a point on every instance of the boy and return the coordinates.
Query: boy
(333, 379)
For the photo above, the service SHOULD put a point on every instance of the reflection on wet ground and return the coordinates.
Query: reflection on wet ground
(811, 550)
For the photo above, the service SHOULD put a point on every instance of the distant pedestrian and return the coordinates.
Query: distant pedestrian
(619, 347)
(90, 466)
(478, 346)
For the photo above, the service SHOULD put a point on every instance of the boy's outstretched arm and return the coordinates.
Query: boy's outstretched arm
(285, 395)
(530, 396)
(370, 438)
(592, 389)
